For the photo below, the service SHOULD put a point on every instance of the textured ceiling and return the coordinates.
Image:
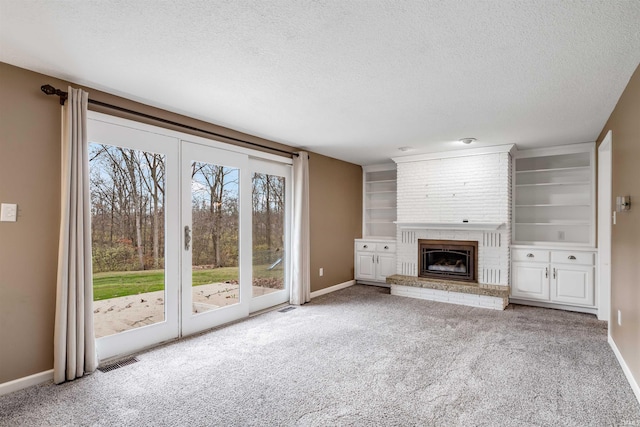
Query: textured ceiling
(354, 80)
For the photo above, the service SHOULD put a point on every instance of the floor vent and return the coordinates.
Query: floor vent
(118, 365)
(284, 310)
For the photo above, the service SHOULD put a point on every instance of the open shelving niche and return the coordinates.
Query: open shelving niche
(554, 196)
(379, 208)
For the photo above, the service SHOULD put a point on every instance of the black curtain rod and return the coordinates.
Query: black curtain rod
(50, 90)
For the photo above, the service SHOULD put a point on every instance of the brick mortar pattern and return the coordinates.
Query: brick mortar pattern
(474, 188)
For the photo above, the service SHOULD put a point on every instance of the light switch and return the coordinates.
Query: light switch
(9, 212)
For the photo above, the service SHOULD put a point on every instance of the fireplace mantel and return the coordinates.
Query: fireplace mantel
(449, 225)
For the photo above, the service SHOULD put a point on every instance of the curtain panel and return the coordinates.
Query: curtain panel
(74, 342)
(300, 258)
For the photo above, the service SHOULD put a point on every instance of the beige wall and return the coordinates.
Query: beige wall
(335, 189)
(625, 245)
(30, 177)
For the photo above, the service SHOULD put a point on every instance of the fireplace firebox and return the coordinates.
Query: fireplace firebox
(448, 259)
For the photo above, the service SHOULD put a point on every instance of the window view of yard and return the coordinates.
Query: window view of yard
(128, 236)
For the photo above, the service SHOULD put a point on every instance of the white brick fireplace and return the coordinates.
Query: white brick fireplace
(457, 195)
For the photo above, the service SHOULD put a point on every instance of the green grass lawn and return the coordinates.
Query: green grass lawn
(122, 283)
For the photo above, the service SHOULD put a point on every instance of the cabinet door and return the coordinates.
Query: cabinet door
(365, 266)
(386, 266)
(572, 284)
(530, 280)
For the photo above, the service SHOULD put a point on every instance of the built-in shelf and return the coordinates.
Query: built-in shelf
(554, 196)
(379, 201)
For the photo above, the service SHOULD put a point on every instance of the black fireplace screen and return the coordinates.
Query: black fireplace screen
(448, 259)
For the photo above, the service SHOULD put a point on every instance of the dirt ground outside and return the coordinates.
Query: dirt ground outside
(133, 311)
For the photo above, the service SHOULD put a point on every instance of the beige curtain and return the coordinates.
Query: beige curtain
(74, 343)
(300, 260)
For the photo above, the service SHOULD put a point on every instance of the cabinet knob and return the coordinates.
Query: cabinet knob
(529, 255)
(572, 257)
(386, 247)
(365, 246)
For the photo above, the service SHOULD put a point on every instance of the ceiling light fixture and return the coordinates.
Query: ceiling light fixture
(467, 140)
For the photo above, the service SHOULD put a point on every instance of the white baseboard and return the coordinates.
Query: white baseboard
(333, 288)
(20, 383)
(627, 372)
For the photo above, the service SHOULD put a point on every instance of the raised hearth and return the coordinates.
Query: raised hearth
(473, 294)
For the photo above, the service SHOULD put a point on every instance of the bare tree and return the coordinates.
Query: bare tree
(215, 182)
(154, 182)
(130, 161)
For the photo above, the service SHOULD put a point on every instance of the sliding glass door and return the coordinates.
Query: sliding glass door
(186, 236)
(134, 233)
(270, 207)
(216, 252)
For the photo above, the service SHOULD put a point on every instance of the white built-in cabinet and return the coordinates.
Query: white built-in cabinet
(375, 253)
(553, 253)
(379, 201)
(375, 259)
(564, 277)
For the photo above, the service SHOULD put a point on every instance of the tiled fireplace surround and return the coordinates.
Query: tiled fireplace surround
(459, 195)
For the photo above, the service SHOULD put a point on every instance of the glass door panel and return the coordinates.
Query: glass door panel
(215, 198)
(216, 258)
(268, 215)
(127, 235)
(270, 223)
(133, 177)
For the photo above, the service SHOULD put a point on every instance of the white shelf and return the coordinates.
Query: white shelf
(450, 225)
(553, 205)
(554, 183)
(554, 223)
(576, 168)
(381, 181)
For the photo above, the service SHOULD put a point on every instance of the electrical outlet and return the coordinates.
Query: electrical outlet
(619, 318)
(321, 271)
(560, 235)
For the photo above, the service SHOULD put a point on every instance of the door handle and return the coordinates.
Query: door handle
(546, 272)
(373, 259)
(554, 273)
(572, 257)
(187, 237)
